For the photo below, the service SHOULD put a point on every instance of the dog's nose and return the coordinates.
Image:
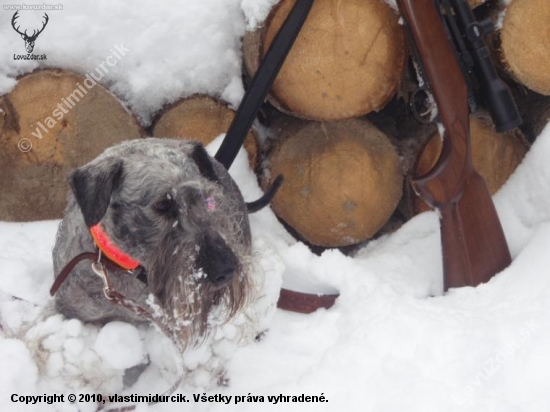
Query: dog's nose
(222, 275)
(218, 261)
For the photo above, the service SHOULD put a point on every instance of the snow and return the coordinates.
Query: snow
(255, 11)
(22, 376)
(119, 345)
(175, 48)
(392, 4)
(392, 341)
(501, 15)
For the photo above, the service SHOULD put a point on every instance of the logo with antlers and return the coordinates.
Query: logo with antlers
(29, 40)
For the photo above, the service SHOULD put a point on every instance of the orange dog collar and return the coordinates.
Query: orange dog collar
(110, 250)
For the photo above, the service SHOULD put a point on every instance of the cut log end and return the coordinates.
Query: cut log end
(202, 118)
(68, 121)
(343, 180)
(347, 60)
(525, 43)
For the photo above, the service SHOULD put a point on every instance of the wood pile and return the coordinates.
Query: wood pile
(350, 61)
(339, 124)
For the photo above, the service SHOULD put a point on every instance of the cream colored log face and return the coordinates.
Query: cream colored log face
(202, 118)
(343, 180)
(525, 43)
(346, 62)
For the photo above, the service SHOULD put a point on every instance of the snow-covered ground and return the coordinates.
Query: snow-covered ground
(392, 342)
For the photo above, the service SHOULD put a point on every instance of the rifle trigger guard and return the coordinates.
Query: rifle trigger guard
(422, 105)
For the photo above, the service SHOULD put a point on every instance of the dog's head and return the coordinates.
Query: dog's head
(168, 205)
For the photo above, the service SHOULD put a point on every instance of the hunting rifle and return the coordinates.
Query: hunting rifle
(447, 43)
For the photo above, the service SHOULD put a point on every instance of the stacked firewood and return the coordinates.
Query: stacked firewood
(338, 122)
(346, 139)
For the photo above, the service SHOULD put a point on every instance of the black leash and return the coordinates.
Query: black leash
(247, 112)
(261, 83)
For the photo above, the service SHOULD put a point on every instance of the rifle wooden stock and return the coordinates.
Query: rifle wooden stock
(473, 242)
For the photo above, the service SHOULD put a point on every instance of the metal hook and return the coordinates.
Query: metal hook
(100, 271)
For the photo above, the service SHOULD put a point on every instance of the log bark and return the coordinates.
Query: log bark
(202, 118)
(65, 128)
(494, 155)
(347, 60)
(525, 43)
(343, 179)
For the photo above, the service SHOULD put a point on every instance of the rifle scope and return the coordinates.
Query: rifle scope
(496, 94)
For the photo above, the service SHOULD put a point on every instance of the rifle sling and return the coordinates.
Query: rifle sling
(261, 83)
(247, 112)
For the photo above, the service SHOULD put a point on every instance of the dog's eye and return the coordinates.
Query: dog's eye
(163, 206)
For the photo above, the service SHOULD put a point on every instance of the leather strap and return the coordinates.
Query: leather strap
(288, 299)
(304, 302)
(66, 271)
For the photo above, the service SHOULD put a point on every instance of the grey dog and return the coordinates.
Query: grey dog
(173, 208)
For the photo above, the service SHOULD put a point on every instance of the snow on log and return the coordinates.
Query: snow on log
(347, 60)
(495, 155)
(201, 118)
(525, 43)
(52, 122)
(343, 180)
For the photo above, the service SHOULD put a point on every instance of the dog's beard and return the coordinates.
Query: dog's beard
(190, 305)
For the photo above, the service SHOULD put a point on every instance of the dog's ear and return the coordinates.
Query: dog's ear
(201, 158)
(93, 185)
